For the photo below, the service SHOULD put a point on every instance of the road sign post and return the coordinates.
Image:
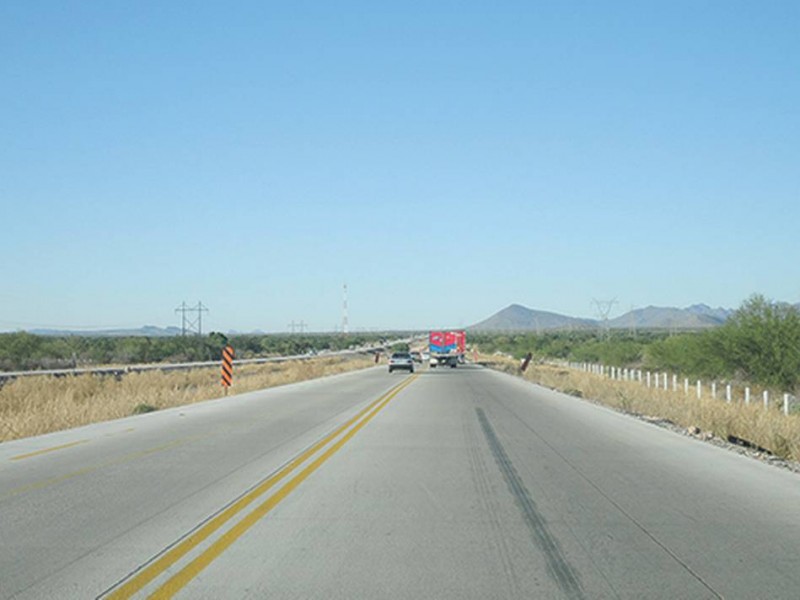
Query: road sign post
(227, 367)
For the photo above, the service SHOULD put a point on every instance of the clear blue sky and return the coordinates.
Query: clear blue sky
(445, 159)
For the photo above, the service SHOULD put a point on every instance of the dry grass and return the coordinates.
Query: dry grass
(37, 405)
(767, 428)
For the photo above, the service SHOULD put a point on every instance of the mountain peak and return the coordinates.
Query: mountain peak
(516, 317)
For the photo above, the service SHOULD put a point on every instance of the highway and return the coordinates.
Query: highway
(448, 483)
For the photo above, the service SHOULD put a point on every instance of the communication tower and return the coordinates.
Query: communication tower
(345, 324)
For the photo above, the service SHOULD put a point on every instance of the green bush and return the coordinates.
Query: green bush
(761, 343)
(693, 354)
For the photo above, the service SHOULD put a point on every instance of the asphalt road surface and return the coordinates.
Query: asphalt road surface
(449, 483)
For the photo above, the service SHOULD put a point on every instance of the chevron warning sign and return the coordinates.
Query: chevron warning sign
(227, 367)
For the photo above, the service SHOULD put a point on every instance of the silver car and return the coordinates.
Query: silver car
(401, 360)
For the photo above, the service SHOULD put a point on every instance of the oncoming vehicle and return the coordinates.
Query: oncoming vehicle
(401, 360)
(416, 357)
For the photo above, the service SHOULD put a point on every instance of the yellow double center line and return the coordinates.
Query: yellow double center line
(177, 552)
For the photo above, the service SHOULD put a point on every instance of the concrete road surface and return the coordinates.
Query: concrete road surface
(449, 483)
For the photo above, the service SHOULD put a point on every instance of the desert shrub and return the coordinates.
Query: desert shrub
(761, 343)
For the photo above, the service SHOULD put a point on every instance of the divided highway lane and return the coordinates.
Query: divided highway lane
(460, 483)
(81, 509)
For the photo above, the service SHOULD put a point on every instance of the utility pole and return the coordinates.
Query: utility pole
(190, 325)
(603, 310)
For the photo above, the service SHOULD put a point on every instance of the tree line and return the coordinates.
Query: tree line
(21, 351)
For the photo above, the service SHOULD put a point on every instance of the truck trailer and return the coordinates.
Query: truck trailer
(447, 348)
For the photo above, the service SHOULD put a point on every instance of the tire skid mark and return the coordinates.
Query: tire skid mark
(577, 538)
(617, 506)
(480, 479)
(557, 565)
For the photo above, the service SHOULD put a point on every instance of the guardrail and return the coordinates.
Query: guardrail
(124, 370)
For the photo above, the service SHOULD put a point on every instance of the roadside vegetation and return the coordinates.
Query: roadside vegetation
(758, 347)
(23, 351)
(36, 405)
(759, 344)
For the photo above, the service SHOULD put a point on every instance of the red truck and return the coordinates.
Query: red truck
(447, 348)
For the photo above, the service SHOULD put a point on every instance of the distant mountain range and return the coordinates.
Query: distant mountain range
(512, 318)
(521, 318)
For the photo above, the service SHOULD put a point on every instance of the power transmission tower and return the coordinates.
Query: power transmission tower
(199, 309)
(345, 324)
(189, 325)
(293, 327)
(603, 310)
(182, 309)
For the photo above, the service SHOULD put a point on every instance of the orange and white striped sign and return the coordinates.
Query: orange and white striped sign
(227, 367)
